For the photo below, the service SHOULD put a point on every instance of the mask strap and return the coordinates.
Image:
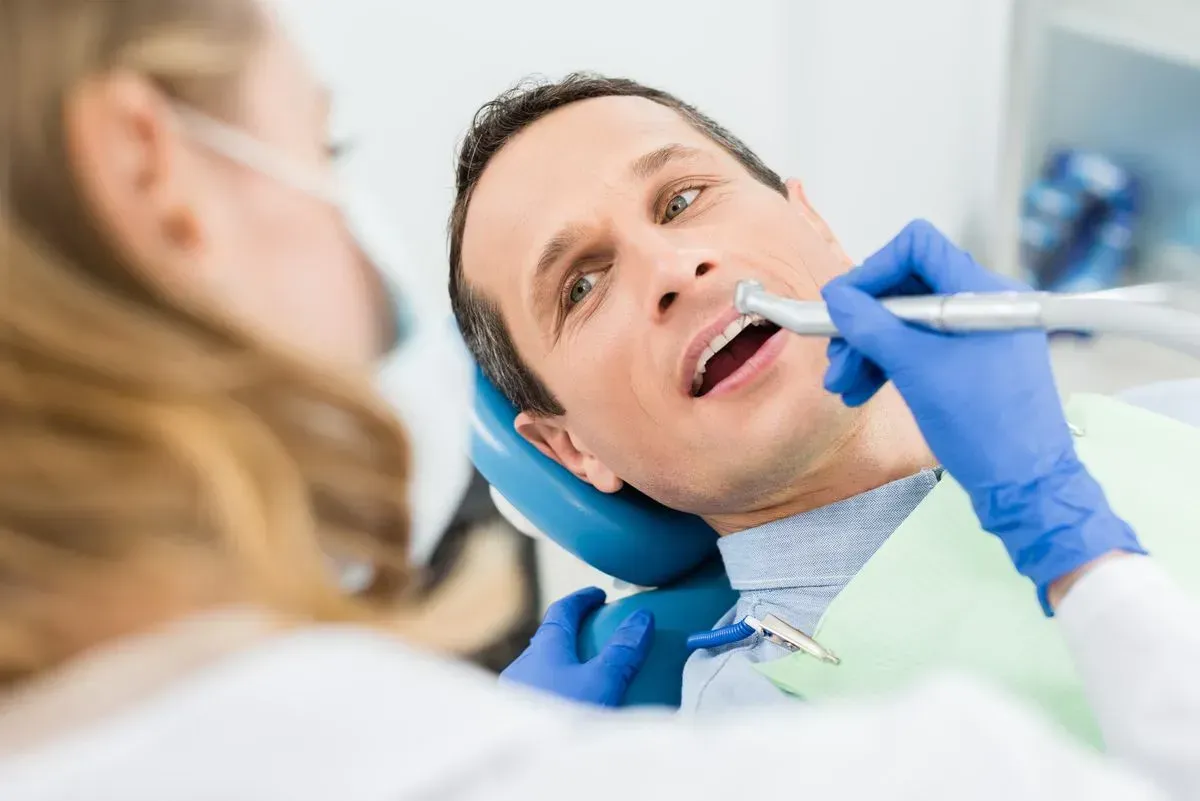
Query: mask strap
(243, 148)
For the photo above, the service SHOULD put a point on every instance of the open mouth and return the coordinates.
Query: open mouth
(729, 351)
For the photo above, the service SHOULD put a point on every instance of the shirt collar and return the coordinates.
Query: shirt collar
(824, 546)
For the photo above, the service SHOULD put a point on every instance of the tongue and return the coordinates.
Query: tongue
(739, 350)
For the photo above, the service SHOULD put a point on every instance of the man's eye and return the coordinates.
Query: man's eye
(580, 289)
(680, 203)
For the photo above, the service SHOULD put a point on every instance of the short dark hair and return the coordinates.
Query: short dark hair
(494, 125)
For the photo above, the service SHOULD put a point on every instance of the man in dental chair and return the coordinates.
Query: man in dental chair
(599, 230)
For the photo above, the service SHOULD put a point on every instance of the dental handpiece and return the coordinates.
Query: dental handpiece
(994, 311)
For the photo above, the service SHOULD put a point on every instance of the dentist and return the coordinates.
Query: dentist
(191, 331)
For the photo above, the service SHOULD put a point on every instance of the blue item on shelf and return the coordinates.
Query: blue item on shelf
(1077, 223)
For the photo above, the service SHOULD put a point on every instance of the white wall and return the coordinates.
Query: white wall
(896, 111)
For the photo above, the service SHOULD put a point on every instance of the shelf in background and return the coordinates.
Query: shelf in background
(1166, 29)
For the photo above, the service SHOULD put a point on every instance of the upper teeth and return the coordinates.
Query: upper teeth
(721, 340)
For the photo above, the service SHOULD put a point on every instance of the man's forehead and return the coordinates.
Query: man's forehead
(551, 172)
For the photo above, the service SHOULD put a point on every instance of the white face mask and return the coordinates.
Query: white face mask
(427, 374)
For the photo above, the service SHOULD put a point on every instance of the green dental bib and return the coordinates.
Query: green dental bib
(942, 594)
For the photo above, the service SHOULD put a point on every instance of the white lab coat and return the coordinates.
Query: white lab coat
(328, 713)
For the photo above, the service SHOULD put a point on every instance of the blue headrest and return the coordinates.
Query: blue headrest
(625, 535)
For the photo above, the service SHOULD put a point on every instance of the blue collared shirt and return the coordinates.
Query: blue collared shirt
(793, 568)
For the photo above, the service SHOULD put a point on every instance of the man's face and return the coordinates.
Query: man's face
(612, 234)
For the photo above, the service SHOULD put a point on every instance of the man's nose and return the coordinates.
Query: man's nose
(674, 273)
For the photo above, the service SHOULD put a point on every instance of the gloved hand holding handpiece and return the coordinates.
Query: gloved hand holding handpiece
(985, 402)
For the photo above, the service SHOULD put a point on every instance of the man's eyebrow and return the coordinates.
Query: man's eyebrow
(554, 249)
(646, 165)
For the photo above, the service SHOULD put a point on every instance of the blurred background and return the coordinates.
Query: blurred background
(1059, 140)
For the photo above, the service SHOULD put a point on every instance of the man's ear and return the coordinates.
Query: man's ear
(549, 436)
(799, 201)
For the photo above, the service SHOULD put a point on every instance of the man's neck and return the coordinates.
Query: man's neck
(884, 446)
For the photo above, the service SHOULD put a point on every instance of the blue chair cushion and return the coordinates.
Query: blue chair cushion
(692, 604)
(625, 535)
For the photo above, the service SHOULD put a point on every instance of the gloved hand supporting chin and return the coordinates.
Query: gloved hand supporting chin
(986, 404)
(551, 662)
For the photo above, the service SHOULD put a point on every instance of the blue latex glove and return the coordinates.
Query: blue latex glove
(986, 404)
(551, 662)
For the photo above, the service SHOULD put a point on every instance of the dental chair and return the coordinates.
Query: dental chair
(626, 535)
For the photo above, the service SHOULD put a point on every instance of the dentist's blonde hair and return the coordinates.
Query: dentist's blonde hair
(153, 458)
